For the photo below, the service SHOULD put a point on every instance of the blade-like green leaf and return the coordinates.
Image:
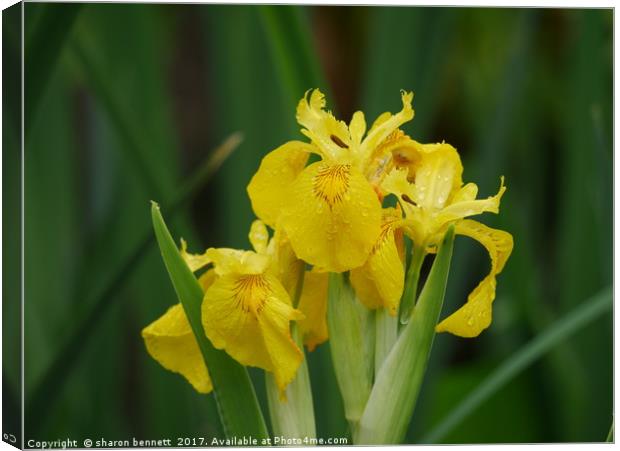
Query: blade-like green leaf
(237, 404)
(556, 334)
(396, 389)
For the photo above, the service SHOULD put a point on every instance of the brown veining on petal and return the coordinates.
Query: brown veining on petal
(331, 183)
(251, 293)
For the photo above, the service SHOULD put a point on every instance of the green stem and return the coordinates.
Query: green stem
(386, 333)
(351, 342)
(411, 283)
(293, 417)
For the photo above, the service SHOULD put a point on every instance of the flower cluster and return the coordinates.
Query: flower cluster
(332, 215)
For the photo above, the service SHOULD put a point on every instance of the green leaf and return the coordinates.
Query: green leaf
(396, 389)
(536, 348)
(237, 404)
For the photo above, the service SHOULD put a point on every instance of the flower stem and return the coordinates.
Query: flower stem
(386, 333)
(352, 343)
(294, 416)
(411, 283)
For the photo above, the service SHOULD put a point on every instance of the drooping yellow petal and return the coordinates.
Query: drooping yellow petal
(380, 281)
(475, 316)
(194, 261)
(248, 316)
(271, 183)
(284, 354)
(313, 304)
(333, 217)
(330, 135)
(466, 206)
(259, 236)
(387, 123)
(171, 342)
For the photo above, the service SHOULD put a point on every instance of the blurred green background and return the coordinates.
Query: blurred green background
(124, 102)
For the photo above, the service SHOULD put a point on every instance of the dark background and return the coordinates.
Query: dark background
(123, 103)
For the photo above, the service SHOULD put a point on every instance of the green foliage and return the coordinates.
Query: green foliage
(395, 392)
(124, 100)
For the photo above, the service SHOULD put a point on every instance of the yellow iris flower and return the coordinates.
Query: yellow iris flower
(330, 209)
(432, 195)
(246, 311)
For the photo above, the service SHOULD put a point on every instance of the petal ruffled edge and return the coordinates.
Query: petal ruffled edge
(386, 124)
(330, 135)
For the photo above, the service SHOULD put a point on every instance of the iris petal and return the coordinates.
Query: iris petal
(194, 261)
(380, 281)
(313, 304)
(470, 207)
(269, 186)
(437, 175)
(248, 316)
(388, 123)
(333, 217)
(475, 316)
(330, 135)
(171, 342)
(259, 236)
